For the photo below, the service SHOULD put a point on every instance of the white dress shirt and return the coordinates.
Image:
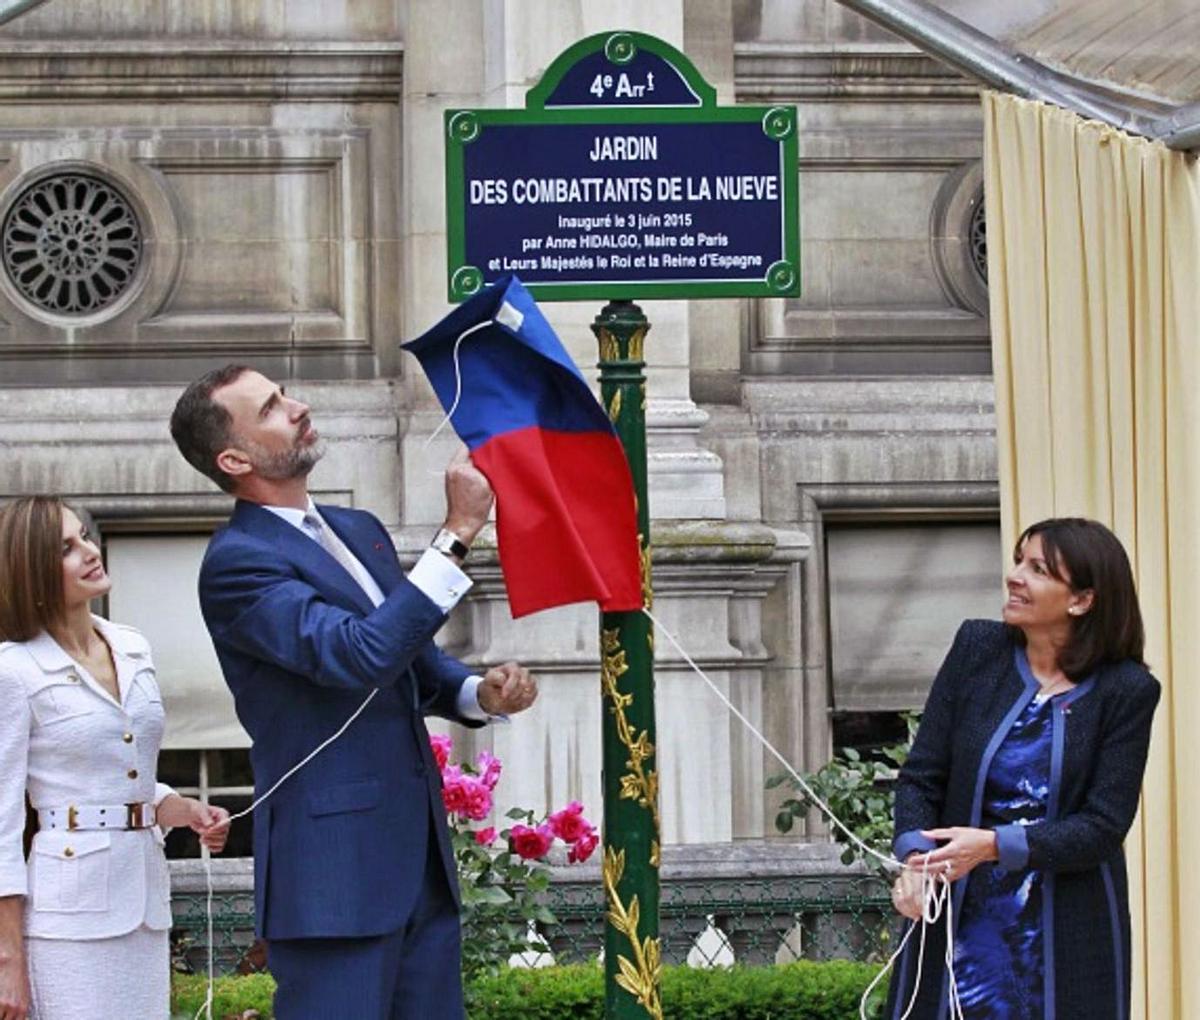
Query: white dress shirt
(68, 741)
(434, 574)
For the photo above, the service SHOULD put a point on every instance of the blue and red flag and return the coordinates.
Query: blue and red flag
(566, 518)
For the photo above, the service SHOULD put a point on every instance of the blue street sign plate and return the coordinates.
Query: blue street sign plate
(599, 192)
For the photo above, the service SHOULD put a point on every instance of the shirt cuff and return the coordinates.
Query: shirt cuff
(161, 792)
(468, 701)
(908, 842)
(439, 580)
(1012, 847)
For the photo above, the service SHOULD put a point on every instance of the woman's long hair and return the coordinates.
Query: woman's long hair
(31, 573)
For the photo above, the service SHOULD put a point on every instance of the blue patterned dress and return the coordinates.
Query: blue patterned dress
(998, 959)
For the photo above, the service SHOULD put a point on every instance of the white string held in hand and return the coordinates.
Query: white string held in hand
(205, 1009)
(937, 897)
(936, 893)
(511, 317)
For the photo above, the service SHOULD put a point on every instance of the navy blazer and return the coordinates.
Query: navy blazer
(1100, 738)
(340, 849)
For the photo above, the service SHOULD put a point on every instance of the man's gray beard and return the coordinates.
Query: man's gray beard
(283, 467)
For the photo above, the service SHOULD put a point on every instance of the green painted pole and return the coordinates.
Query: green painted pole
(632, 955)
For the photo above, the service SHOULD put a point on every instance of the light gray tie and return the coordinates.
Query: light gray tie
(337, 549)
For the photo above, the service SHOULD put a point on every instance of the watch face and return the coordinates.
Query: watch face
(450, 544)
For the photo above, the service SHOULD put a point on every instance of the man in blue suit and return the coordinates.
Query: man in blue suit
(309, 610)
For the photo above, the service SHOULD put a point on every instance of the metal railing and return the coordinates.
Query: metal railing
(749, 903)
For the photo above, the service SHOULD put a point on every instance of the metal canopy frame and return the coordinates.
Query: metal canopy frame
(10, 9)
(984, 58)
(1001, 67)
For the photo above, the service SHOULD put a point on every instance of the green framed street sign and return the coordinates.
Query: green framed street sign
(623, 178)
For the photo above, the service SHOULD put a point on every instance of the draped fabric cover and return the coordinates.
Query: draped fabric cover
(566, 512)
(1094, 275)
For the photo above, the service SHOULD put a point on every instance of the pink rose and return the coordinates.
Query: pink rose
(582, 848)
(569, 823)
(477, 799)
(485, 837)
(488, 766)
(441, 744)
(531, 844)
(454, 789)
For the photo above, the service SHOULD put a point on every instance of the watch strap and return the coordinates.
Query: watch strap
(449, 544)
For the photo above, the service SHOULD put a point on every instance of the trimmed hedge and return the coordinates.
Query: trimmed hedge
(804, 990)
(231, 995)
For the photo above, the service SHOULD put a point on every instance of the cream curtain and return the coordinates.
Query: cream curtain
(1094, 273)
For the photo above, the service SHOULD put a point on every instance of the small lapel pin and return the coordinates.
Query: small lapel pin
(379, 547)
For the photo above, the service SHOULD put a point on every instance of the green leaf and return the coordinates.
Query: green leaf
(783, 821)
(492, 895)
(776, 780)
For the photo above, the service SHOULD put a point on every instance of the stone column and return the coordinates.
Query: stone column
(463, 54)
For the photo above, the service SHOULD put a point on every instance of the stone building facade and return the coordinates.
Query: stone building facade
(261, 181)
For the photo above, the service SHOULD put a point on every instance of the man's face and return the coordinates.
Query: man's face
(270, 429)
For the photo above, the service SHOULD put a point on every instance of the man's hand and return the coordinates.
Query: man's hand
(966, 848)
(210, 823)
(468, 498)
(507, 689)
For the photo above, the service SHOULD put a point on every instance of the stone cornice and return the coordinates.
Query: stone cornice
(187, 71)
(696, 545)
(843, 72)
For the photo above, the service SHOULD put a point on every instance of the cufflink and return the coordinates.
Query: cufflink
(449, 544)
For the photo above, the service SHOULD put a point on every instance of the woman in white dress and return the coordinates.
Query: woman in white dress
(83, 923)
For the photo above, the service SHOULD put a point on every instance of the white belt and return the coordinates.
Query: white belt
(138, 815)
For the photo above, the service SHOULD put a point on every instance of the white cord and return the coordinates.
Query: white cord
(936, 897)
(206, 1008)
(936, 893)
(458, 387)
(888, 860)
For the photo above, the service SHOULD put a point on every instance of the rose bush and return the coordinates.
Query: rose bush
(502, 875)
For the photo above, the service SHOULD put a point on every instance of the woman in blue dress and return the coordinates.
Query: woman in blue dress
(1021, 785)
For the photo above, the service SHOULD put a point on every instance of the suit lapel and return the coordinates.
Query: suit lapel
(377, 556)
(320, 569)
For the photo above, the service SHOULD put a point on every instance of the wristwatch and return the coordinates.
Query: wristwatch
(449, 544)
